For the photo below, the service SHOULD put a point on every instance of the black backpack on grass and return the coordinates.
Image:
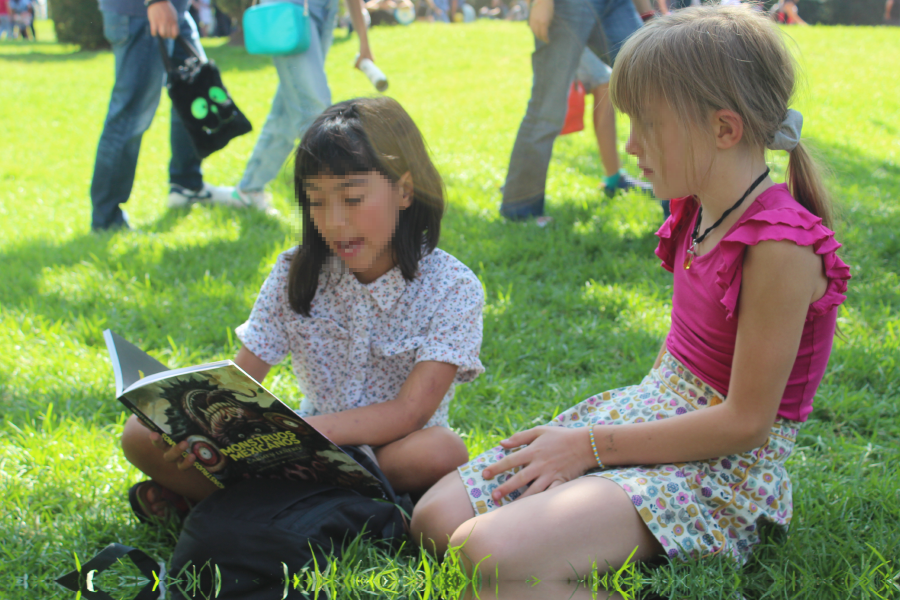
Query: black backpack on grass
(251, 532)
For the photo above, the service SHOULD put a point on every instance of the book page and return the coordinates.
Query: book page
(130, 363)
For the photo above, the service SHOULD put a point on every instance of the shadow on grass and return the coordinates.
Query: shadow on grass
(236, 58)
(37, 56)
(175, 277)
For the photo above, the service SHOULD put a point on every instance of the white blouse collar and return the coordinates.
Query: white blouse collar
(385, 290)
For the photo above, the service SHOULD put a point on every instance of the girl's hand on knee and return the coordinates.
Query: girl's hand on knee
(551, 456)
(176, 453)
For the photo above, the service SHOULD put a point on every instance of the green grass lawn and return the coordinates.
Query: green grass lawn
(573, 309)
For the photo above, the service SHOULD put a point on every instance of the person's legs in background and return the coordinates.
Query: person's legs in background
(302, 95)
(619, 19)
(594, 74)
(553, 67)
(133, 102)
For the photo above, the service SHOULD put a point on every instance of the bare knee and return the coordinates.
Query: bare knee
(453, 451)
(438, 514)
(418, 461)
(136, 444)
(477, 545)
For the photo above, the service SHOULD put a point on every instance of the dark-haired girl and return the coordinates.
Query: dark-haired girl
(379, 323)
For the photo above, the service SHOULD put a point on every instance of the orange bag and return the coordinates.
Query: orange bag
(575, 113)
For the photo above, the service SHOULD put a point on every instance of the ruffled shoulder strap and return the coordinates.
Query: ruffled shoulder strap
(780, 217)
(681, 211)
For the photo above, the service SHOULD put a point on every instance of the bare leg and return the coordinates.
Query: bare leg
(145, 456)
(545, 590)
(605, 129)
(416, 462)
(440, 512)
(585, 522)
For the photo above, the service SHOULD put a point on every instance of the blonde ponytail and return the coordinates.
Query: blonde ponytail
(805, 183)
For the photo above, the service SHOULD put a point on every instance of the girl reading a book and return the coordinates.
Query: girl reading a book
(690, 462)
(380, 323)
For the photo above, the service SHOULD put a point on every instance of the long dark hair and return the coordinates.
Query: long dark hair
(359, 136)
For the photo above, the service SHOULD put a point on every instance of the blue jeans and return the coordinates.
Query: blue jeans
(602, 25)
(301, 96)
(135, 96)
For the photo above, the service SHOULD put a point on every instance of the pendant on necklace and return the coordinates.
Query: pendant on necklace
(689, 257)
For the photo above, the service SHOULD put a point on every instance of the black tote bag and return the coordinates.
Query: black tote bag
(209, 114)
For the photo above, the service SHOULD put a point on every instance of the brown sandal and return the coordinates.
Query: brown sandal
(177, 506)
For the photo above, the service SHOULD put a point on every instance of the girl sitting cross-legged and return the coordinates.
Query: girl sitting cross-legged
(690, 462)
(380, 324)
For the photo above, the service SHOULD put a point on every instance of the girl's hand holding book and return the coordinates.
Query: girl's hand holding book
(176, 454)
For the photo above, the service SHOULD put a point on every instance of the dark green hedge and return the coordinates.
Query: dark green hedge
(78, 22)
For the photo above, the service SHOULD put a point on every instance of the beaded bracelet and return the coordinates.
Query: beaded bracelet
(594, 447)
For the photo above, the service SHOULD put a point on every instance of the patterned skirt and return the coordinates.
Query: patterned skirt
(694, 509)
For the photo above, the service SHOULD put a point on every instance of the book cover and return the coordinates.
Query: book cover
(235, 427)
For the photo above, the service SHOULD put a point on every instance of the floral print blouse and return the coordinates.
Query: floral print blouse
(361, 341)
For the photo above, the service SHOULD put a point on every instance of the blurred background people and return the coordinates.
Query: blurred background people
(132, 29)
(892, 12)
(22, 13)
(786, 13)
(562, 29)
(594, 74)
(384, 12)
(301, 96)
(6, 28)
(496, 10)
(205, 21)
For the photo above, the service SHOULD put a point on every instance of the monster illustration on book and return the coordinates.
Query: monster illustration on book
(238, 430)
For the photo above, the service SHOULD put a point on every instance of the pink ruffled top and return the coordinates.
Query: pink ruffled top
(705, 297)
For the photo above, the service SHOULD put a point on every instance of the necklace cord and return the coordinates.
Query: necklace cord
(696, 240)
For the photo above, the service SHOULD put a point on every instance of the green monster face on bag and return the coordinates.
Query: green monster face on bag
(214, 112)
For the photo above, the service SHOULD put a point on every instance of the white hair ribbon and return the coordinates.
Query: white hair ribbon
(788, 135)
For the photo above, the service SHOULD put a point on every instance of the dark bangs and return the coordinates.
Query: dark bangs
(360, 136)
(337, 147)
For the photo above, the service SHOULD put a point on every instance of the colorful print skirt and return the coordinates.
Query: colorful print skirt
(694, 509)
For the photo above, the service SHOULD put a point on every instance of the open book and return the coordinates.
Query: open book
(235, 427)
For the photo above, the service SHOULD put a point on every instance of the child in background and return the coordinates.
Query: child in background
(380, 324)
(690, 462)
(594, 74)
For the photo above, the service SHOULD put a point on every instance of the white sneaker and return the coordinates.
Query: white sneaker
(180, 197)
(259, 200)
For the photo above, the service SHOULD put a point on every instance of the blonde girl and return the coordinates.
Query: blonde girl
(380, 323)
(691, 461)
